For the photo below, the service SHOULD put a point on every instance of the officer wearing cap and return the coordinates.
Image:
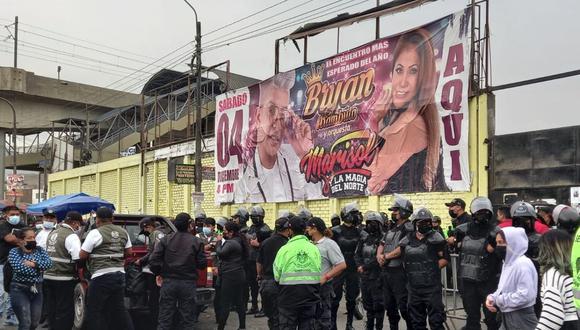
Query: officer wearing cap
(457, 212)
(63, 247)
(48, 224)
(265, 273)
(106, 248)
(153, 236)
(333, 264)
(297, 270)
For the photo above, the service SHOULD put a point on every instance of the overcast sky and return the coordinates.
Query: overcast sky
(530, 38)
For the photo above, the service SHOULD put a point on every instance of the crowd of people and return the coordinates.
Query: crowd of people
(517, 265)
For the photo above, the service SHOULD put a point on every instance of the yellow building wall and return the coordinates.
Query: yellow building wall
(119, 181)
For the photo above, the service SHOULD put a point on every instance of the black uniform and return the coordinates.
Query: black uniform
(394, 278)
(269, 288)
(347, 239)
(421, 262)
(372, 289)
(261, 232)
(478, 271)
(462, 219)
(533, 252)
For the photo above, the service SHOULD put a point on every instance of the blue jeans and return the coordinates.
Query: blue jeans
(26, 304)
(6, 312)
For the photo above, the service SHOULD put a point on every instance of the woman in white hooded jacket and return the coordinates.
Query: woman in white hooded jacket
(517, 289)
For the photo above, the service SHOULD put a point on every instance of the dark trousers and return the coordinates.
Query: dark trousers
(153, 292)
(323, 314)
(217, 305)
(301, 318)
(59, 298)
(269, 291)
(372, 297)
(231, 294)
(426, 303)
(26, 304)
(473, 296)
(252, 288)
(395, 296)
(351, 280)
(105, 303)
(176, 295)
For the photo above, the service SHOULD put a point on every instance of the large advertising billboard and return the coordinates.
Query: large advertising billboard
(390, 116)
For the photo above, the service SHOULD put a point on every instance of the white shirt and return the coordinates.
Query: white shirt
(72, 244)
(94, 239)
(41, 237)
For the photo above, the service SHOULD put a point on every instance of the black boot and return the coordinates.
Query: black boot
(253, 310)
(370, 323)
(379, 321)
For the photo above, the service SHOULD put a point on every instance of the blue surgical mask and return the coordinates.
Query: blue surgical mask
(14, 220)
(206, 231)
(48, 224)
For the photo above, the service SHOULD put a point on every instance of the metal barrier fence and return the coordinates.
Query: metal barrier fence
(451, 297)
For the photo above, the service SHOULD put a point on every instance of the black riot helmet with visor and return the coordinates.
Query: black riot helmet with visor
(481, 210)
(524, 216)
(350, 214)
(566, 218)
(241, 216)
(257, 215)
(423, 221)
(403, 205)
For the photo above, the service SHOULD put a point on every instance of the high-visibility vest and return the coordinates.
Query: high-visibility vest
(298, 262)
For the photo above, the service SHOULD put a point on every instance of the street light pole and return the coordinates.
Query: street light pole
(14, 170)
(197, 101)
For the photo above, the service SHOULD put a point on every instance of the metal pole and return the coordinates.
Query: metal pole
(16, 42)
(378, 23)
(13, 133)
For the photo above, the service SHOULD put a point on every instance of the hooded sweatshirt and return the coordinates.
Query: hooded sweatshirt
(518, 284)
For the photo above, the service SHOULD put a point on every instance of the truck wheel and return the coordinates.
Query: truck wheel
(80, 306)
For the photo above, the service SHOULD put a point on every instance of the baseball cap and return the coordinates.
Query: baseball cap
(282, 223)
(147, 221)
(456, 201)
(49, 213)
(316, 223)
(73, 216)
(297, 224)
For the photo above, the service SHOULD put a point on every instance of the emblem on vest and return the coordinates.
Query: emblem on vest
(50, 246)
(115, 235)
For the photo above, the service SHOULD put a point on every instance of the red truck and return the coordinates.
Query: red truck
(137, 306)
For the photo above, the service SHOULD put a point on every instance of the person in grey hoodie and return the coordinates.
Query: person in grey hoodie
(517, 290)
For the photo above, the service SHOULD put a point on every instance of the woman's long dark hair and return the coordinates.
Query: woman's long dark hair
(234, 229)
(555, 252)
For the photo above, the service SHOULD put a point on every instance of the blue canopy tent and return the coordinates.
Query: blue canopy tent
(62, 204)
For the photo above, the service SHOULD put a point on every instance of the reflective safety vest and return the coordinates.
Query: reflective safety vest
(575, 261)
(298, 262)
(110, 254)
(63, 267)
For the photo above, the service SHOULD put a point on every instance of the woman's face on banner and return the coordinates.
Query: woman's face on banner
(271, 119)
(405, 77)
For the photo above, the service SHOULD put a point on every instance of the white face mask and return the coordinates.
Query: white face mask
(38, 226)
(48, 224)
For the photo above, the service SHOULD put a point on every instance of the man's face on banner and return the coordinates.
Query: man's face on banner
(405, 77)
(271, 113)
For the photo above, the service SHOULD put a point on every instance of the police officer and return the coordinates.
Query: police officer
(424, 253)
(241, 217)
(63, 247)
(347, 236)
(257, 233)
(107, 246)
(394, 279)
(220, 226)
(566, 218)
(370, 271)
(457, 212)
(334, 220)
(524, 216)
(153, 236)
(264, 265)
(479, 267)
(199, 217)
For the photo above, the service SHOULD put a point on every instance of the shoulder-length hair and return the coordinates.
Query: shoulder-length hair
(555, 251)
(419, 40)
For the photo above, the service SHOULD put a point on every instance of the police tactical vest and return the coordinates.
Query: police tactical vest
(421, 264)
(261, 232)
(111, 252)
(63, 267)
(369, 250)
(473, 259)
(347, 239)
(392, 240)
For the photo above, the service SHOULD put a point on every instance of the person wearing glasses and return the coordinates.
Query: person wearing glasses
(276, 142)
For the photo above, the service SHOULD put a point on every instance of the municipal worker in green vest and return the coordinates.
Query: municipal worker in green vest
(297, 269)
(105, 248)
(63, 246)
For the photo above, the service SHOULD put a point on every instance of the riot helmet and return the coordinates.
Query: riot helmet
(257, 215)
(374, 222)
(523, 216)
(241, 216)
(304, 213)
(403, 205)
(350, 214)
(481, 210)
(221, 223)
(285, 214)
(423, 221)
(335, 220)
(566, 218)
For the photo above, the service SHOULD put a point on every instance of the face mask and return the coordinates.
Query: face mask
(48, 224)
(30, 245)
(38, 226)
(256, 220)
(479, 218)
(452, 214)
(206, 231)
(372, 227)
(14, 220)
(424, 228)
(501, 251)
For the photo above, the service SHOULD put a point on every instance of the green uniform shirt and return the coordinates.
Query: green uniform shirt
(298, 262)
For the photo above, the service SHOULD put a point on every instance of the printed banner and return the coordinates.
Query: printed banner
(389, 116)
